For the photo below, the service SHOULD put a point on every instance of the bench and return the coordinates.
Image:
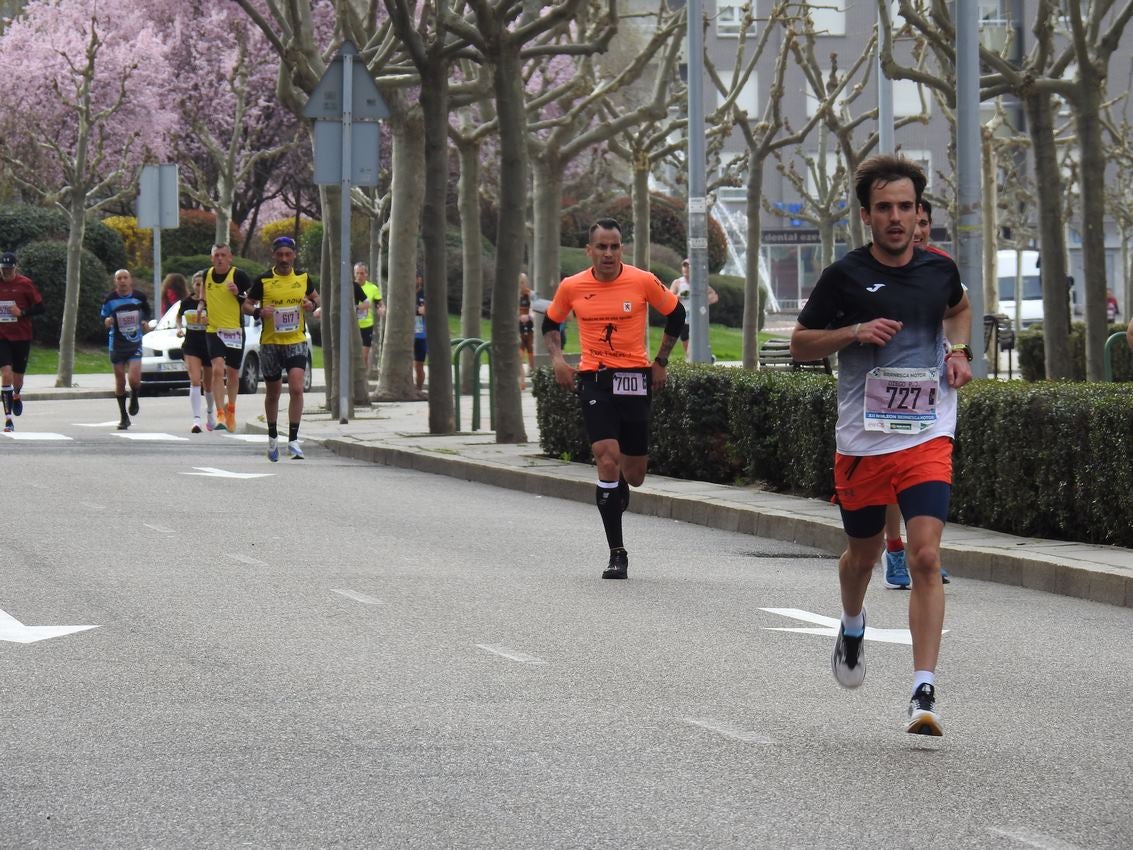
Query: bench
(775, 353)
(999, 336)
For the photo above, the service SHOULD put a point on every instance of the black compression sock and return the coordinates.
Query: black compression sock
(623, 492)
(121, 404)
(292, 431)
(273, 430)
(7, 395)
(610, 509)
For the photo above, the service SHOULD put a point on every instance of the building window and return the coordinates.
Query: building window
(907, 99)
(748, 98)
(730, 19)
(829, 17)
(924, 160)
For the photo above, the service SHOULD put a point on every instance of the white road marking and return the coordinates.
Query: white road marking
(357, 597)
(1034, 839)
(244, 559)
(511, 654)
(91, 506)
(156, 437)
(13, 631)
(247, 438)
(95, 424)
(159, 528)
(728, 731)
(830, 627)
(35, 435)
(213, 472)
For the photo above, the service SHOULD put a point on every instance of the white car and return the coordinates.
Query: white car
(163, 366)
(1031, 308)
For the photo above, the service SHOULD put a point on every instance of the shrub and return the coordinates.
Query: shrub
(189, 265)
(22, 224)
(1032, 354)
(138, 243)
(46, 264)
(195, 234)
(106, 243)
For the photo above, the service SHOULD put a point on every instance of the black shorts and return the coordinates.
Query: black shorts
(609, 415)
(420, 349)
(125, 355)
(684, 334)
(232, 356)
(15, 353)
(367, 336)
(195, 345)
(275, 359)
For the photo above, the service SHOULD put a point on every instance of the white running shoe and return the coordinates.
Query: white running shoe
(273, 449)
(923, 718)
(295, 450)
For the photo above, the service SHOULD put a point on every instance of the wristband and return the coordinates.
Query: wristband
(857, 329)
(257, 313)
(961, 348)
(663, 362)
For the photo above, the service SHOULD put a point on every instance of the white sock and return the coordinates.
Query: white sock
(923, 677)
(209, 401)
(195, 401)
(854, 625)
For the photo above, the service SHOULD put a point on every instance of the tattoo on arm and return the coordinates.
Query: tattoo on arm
(667, 343)
(553, 342)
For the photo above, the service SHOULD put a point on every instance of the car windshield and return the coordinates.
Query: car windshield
(1032, 288)
(169, 320)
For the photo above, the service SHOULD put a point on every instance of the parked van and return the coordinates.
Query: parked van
(1032, 308)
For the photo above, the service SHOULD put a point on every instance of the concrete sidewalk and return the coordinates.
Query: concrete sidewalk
(396, 434)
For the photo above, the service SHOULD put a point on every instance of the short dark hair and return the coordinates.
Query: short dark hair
(885, 169)
(927, 207)
(605, 224)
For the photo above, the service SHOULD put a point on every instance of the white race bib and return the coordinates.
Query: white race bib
(286, 319)
(231, 337)
(630, 383)
(901, 400)
(362, 310)
(128, 322)
(6, 311)
(196, 320)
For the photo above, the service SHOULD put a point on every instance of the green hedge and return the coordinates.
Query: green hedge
(1032, 351)
(46, 264)
(22, 225)
(1049, 460)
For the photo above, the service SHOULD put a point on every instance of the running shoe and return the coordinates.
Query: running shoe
(273, 449)
(134, 406)
(210, 421)
(295, 450)
(230, 418)
(944, 577)
(848, 661)
(8, 426)
(923, 719)
(17, 405)
(124, 424)
(196, 429)
(618, 566)
(896, 571)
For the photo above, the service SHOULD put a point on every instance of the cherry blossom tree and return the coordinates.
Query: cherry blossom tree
(82, 80)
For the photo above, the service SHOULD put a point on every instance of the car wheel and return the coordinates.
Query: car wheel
(250, 375)
(308, 375)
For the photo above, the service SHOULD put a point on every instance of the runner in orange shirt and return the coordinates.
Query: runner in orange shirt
(615, 379)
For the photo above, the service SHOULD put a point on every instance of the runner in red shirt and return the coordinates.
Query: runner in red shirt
(615, 378)
(19, 301)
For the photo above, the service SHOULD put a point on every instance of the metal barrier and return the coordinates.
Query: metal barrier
(478, 347)
(1109, 344)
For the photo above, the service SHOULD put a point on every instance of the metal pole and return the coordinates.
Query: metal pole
(157, 274)
(697, 205)
(885, 140)
(969, 235)
(346, 290)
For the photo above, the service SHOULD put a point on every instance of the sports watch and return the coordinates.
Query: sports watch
(962, 348)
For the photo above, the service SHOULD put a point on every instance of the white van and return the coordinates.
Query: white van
(1032, 306)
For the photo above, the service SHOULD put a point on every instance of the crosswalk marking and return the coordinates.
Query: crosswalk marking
(35, 435)
(155, 437)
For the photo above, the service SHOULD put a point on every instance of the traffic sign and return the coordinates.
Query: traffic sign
(326, 100)
(158, 204)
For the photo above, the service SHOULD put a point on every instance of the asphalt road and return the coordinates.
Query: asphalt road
(339, 654)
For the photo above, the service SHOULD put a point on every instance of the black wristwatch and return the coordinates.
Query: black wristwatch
(663, 362)
(962, 348)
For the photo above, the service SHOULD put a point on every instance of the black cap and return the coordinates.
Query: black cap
(8, 259)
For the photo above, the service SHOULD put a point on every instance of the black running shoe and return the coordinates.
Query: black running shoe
(134, 406)
(619, 564)
(923, 719)
(848, 661)
(17, 405)
(124, 424)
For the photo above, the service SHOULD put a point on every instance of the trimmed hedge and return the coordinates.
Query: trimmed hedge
(21, 225)
(1049, 460)
(1032, 351)
(46, 264)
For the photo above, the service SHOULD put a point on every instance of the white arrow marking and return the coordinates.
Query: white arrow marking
(830, 627)
(95, 424)
(35, 435)
(153, 437)
(729, 731)
(511, 654)
(357, 597)
(159, 528)
(244, 559)
(14, 631)
(1034, 839)
(213, 472)
(247, 438)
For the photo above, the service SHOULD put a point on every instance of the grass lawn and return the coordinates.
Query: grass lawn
(89, 360)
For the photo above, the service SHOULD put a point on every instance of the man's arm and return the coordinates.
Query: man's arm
(564, 372)
(958, 322)
(812, 344)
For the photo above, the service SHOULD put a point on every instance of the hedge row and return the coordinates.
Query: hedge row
(1048, 460)
(1032, 351)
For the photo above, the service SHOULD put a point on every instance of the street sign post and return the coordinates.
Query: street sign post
(346, 153)
(159, 208)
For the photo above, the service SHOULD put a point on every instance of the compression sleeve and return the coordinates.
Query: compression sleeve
(550, 324)
(675, 321)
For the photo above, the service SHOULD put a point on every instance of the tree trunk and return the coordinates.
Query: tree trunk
(547, 204)
(1056, 313)
(223, 207)
(1092, 163)
(76, 212)
(752, 289)
(331, 295)
(640, 202)
(472, 293)
(408, 196)
(434, 105)
(990, 231)
(507, 417)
